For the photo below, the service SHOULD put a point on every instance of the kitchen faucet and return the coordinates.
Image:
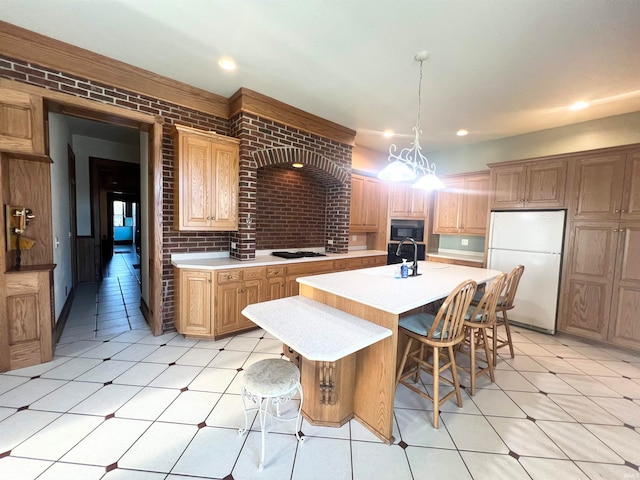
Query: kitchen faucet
(414, 267)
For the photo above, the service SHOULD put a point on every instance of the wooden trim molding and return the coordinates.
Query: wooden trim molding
(17, 42)
(248, 101)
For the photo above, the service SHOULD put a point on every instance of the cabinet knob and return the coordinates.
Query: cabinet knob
(617, 211)
(229, 276)
(623, 211)
(615, 230)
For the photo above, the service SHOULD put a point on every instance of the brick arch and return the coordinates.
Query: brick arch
(332, 172)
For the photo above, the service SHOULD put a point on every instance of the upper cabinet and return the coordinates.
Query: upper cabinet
(206, 170)
(366, 195)
(407, 202)
(529, 184)
(598, 195)
(463, 207)
(21, 122)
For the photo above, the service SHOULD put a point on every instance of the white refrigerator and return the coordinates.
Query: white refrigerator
(533, 239)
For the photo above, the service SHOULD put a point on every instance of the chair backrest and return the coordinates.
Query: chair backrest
(485, 311)
(506, 300)
(450, 317)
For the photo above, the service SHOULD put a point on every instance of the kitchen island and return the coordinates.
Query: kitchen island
(374, 294)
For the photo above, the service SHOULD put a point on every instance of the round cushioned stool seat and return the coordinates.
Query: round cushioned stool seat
(271, 377)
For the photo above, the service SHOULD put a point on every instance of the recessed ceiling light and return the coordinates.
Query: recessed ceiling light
(579, 106)
(388, 133)
(226, 63)
(297, 165)
(462, 132)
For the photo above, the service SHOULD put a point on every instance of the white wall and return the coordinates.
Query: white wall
(606, 132)
(59, 138)
(85, 147)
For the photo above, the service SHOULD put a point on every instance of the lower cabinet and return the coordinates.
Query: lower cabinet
(210, 302)
(27, 323)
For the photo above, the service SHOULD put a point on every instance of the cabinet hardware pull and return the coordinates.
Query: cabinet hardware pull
(623, 211)
(617, 211)
(615, 230)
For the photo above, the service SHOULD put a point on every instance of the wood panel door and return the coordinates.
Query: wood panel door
(223, 193)
(252, 291)
(598, 187)
(587, 298)
(448, 208)
(631, 191)
(507, 187)
(194, 296)
(365, 204)
(21, 122)
(545, 184)
(227, 308)
(624, 325)
(475, 205)
(405, 201)
(196, 176)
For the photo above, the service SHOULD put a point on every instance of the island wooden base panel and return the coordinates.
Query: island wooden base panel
(375, 366)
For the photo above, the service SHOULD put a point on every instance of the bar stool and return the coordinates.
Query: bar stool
(440, 333)
(270, 383)
(477, 321)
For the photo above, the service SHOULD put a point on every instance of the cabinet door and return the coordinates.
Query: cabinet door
(275, 288)
(194, 311)
(405, 201)
(507, 187)
(21, 122)
(546, 184)
(365, 204)
(587, 297)
(371, 204)
(624, 326)
(598, 192)
(448, 208)
(227, 308)
(357, 202)
(195, 183)
(224, 190)
(475, 205)
(631, 191)
(252, 291)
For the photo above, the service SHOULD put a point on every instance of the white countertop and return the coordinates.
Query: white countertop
(316, 331)
(377, 287)
(221, 260)
(458, 255)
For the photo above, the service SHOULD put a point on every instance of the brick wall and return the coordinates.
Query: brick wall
(290, 209)
(266, 143)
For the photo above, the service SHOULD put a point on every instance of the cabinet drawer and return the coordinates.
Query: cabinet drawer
(252, 273)
(340, 264)
(369, 261)
(227, 276)
(275, 271)
(310, 268)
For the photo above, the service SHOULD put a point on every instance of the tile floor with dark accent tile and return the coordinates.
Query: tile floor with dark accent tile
(117, 403)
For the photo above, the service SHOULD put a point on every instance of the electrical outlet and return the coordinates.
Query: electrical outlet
(330, 241)
(464, 241)
(354, 238)
(234, 245)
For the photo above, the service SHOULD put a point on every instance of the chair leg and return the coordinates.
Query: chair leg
(263, 418)
(482, 332)
(494, 342)
(403, 362)
(436, 386)
(472, 360)
(416, 377)
(454, 373)
(508, 330)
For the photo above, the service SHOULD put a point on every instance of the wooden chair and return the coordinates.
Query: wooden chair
(440, 333)
(505, 303)
(477, 321)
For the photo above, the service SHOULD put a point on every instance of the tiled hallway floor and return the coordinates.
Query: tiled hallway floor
(118, 403)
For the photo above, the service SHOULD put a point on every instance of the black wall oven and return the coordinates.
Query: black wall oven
(406, 252)
(401, 229)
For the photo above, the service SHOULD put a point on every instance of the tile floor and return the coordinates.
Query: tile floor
(117, 403)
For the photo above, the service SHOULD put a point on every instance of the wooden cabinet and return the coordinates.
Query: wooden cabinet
(194, 307)
(408, 202)
(529, 184)
(304, 270)
(235, 289)
(601, 292)
(206, 175)
(462, 208)
(456, 261)
(366, 196)
(276, 285)
(21, 122)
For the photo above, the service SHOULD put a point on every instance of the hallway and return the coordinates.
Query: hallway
(110, 307)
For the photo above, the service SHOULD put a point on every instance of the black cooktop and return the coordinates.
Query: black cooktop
(297, 254)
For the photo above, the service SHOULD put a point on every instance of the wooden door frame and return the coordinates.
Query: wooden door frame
(73, 217)
(69, 105)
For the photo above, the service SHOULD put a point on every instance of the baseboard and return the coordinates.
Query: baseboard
(144, 309)
(62, 320)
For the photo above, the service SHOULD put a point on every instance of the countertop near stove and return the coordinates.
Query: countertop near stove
(221, 260)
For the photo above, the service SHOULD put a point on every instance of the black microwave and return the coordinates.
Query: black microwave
(401, 229)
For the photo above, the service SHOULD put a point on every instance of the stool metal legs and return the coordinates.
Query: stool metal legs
(264, 405)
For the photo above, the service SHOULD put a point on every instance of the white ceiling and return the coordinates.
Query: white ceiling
(497, 68)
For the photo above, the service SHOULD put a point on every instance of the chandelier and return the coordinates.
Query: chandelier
(410, 163)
